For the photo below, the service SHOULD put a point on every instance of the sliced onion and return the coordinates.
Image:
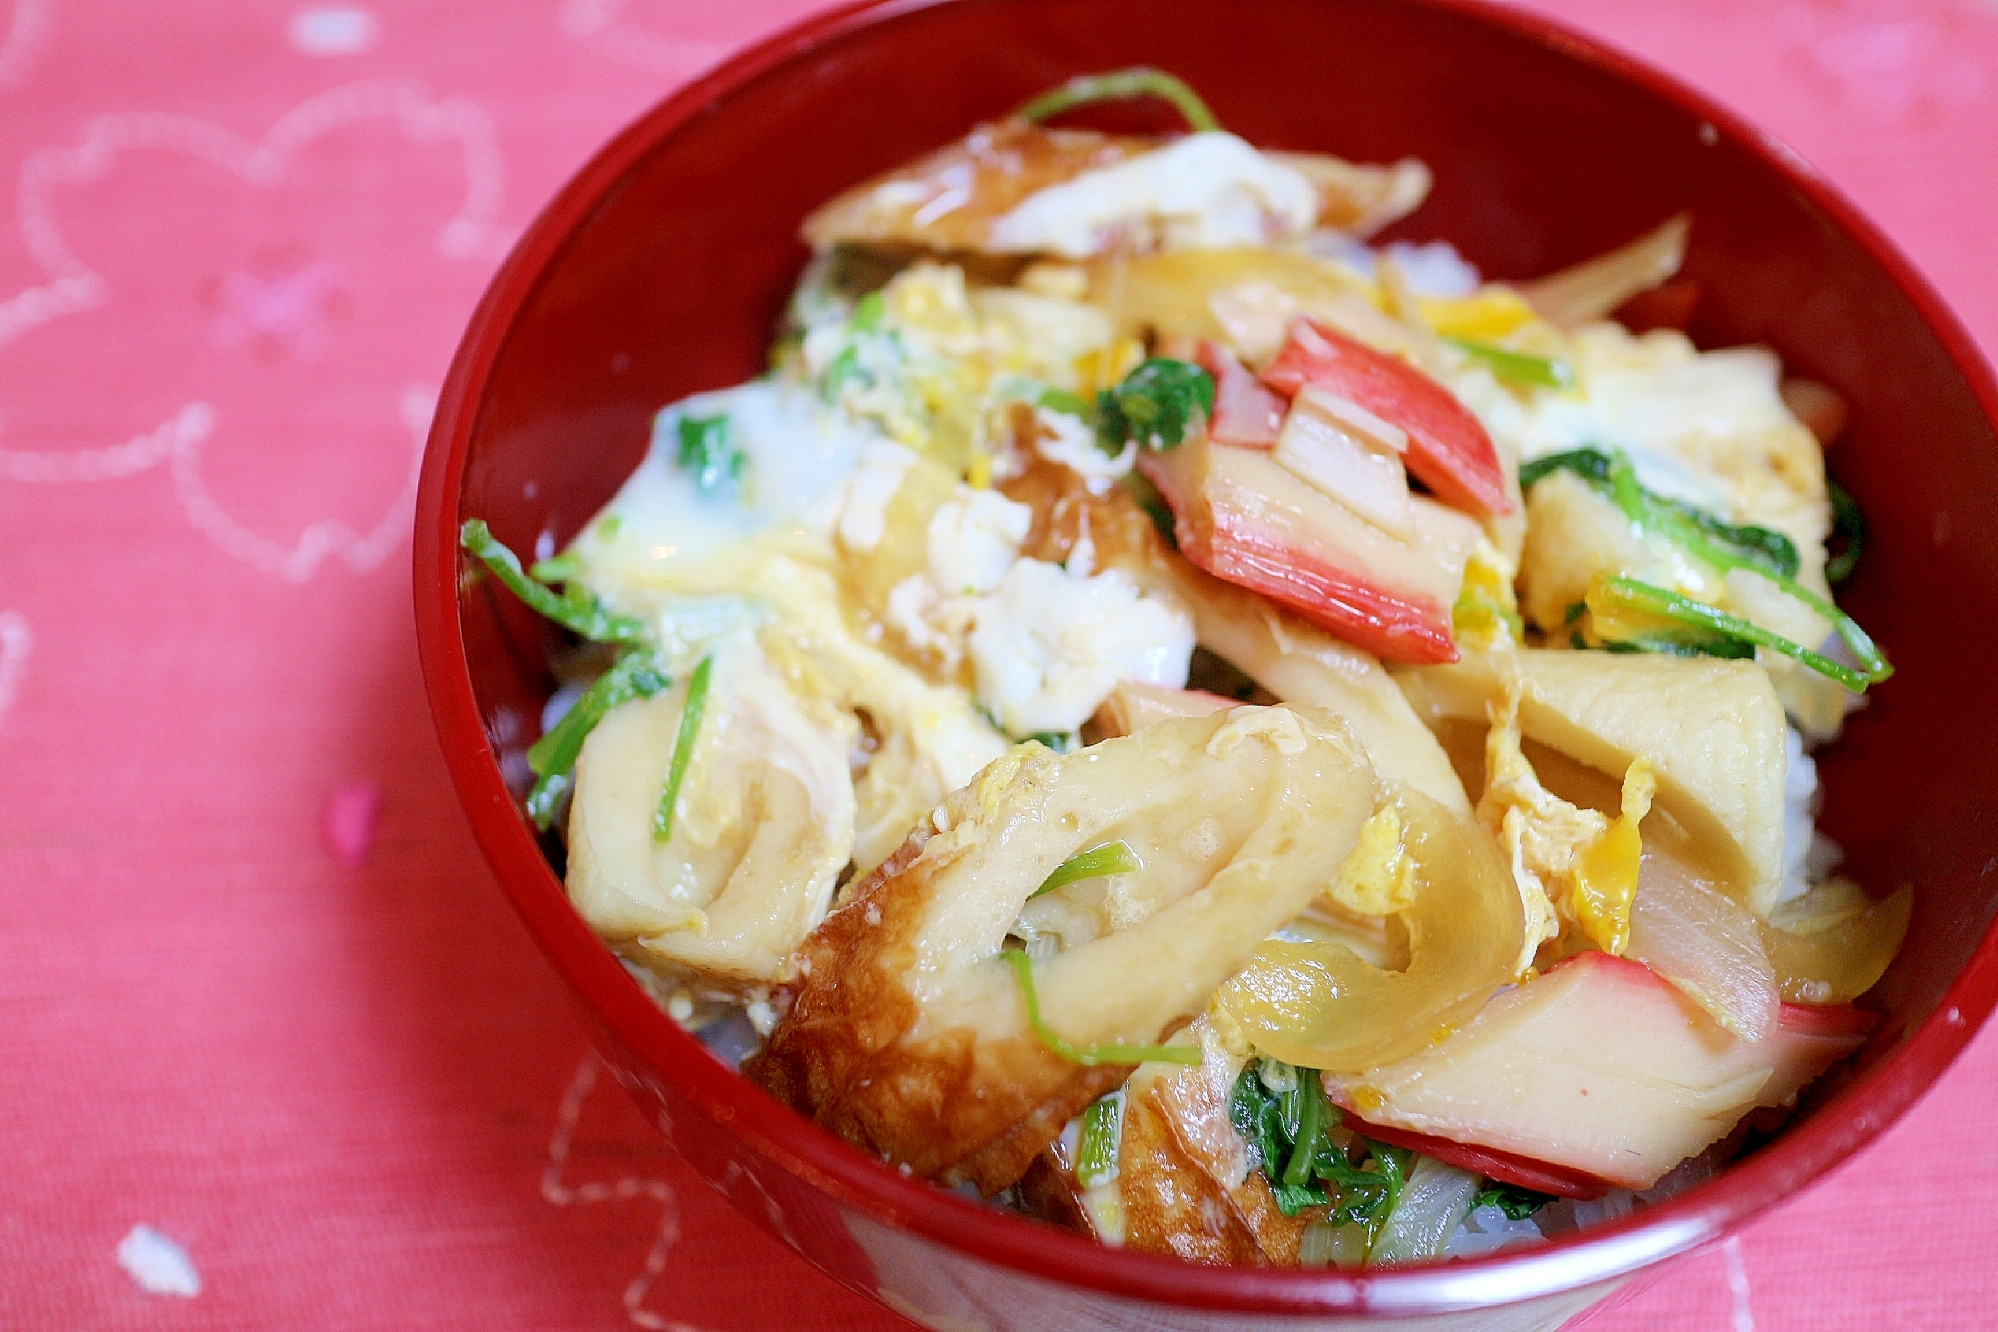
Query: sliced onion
(1317, 1005)
(1592, 289)
(1433, 1204)
(1326, 1245)
(1706, 944)
(1831, 945)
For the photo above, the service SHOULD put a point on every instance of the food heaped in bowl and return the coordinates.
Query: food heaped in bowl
(1335, 955)
(1100, 867)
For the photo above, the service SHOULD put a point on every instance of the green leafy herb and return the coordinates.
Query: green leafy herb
(1096, 863)
(1724, 547)
(869, 347)
(1370, 1192)
(1698, 532)
(1515, 1202)
(1061, 400)
(1061, 742)
(1849, 526)
(1155, 405)
(1289, 1133)
(553, 756)
(1684, 641)
(1090, 1055)
(708, 450)
(1591, 465)
(1519, 367)
(566, 568)
(607, 530)
(1761, 548)
(1307, 1126)
(1160, 513)
(1633, 595)
(1121, 85)
(683, 749)
(546, 797)
(1255, 1112)
(868, 312)
(1096, 1154)
(576, 608)
(841, 369)
(1475, 606)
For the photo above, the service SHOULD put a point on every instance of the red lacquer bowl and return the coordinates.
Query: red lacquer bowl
(661, 270)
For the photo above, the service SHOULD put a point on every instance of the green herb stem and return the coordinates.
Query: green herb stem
(1096, 1154)
(1849, 523)
(1088, 1055)
(683, 749)
(546, 797)
(1725, 548)
(634, 675)
(1095, 863)
(1760, 547)
(575, 608)
(563, 568)
(1519, 367)
(1686, 610)
(1591, 465)
(1122, 85)
(1699, 533)
(1310, 1124)
(1674, 523)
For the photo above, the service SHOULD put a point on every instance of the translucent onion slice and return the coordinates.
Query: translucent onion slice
(1590, 290)
(1432, 1205)
(1832, 945)
(1342, 1246)
(1316, 1004)
(1705, 943)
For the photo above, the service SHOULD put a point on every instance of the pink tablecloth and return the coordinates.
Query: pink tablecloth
(256, 988)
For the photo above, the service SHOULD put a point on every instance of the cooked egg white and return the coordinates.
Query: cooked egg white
(1203, 191)
(1048, 645)
(1706, 427)
(798, 451)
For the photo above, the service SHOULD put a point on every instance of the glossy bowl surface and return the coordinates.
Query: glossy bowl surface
(660, 270)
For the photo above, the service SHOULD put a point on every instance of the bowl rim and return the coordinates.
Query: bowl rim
(1850, 1119)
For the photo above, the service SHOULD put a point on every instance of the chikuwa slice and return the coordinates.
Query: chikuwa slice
(910, 1032)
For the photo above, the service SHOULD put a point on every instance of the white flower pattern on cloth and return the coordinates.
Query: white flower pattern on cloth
(602, 26)
(1832, 99)
(558, 1192)
(271, 306)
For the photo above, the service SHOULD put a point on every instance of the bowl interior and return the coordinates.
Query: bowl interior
(662, 271)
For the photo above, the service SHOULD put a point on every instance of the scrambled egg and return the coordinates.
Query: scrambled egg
(877, 583)
(1378, 879)
(1570, 864)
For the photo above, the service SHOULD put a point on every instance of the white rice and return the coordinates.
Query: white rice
(1809, 856)
(1434, 268)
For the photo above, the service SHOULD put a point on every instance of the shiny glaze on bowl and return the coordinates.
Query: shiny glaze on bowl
(661, 269)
